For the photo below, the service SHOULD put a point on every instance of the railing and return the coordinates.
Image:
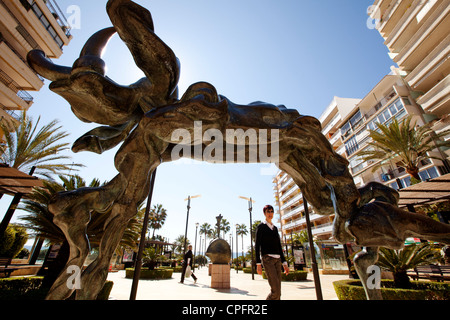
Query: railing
(11, 84)
(60, 17)
(2, 39)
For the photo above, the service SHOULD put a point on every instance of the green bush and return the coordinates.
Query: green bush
(247, 270)
(156, 274)
(12, 241)
(177, 269)
(31, 288)
(23, 288)
(420, 290)
(298, 275)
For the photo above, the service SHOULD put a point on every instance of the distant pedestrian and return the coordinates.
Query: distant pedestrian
(268, 245)
(188, 259)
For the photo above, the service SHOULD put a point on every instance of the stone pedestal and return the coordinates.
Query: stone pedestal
(220, 276)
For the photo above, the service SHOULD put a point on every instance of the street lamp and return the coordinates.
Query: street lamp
(237, 248)
(187, 219)
(195, 246)
(250, 201)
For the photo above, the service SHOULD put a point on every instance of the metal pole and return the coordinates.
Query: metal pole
(237, 250)
(137, 266)
(251, 235)
(313, 253)
(195, 248)
(187, 219)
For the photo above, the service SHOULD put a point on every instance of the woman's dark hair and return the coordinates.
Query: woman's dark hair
(267, 207)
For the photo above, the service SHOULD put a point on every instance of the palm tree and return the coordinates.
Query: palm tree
(406, 143)
(179, 244)
(241, 230)
(206, 229)
(399, 261)
(255, 225)
(27, 147)
(224, 226)
(300, 238)
(157, 218)
(40, 219)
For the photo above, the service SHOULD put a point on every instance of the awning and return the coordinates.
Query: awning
(426, 192)
(13, 181)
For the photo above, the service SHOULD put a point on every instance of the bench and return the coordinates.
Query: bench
(4, 263)
(432, 272)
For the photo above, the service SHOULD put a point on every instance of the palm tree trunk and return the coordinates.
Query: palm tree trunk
(413, 171)
(401, 280)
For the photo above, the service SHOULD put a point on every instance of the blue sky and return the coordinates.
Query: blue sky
(293, 52)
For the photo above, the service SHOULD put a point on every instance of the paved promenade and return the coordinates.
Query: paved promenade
(242, 288)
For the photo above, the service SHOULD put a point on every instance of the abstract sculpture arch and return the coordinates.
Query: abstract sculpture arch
(143, 117)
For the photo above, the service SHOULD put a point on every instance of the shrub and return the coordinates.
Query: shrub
(23, 288)
(12, 241)
(155, 274)
(32, 288)
(420, 290)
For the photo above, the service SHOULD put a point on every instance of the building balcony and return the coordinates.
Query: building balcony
(290, 213)
(405, 28)
(11, 96)
(430, 70)
(437, 100)
(291, 201)
(391, 13)
(431, 32)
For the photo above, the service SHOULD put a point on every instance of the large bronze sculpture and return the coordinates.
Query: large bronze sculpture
(143, 117)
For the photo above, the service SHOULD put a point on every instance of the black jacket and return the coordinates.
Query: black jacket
(187, 256)
(267, 242)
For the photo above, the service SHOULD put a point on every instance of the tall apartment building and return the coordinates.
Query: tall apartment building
(345, 123)
(289, 197)
(416, 33)
(26, 25)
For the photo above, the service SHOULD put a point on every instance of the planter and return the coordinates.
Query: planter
(155, 274)
(298, 275)
(420, 290)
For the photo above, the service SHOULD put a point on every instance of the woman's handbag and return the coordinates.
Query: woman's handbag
(188, 272)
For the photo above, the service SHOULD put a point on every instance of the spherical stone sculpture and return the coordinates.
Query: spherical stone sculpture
(219, 252)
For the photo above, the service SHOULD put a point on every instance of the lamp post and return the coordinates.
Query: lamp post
(250, 201)
(237, 248)
(195, 246)
(187, 219)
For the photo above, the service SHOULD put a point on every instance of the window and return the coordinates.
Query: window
(351, 146)
(429, 173)
(47, 25)
(351, 125)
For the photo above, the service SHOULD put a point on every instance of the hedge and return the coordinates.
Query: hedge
(298, 275)
(155, 274)
(31, 288)
(420, 290)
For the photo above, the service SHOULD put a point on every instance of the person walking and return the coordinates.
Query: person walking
(269, 252)
(187, 261)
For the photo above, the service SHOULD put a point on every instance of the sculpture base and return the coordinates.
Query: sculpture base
(220, 276)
